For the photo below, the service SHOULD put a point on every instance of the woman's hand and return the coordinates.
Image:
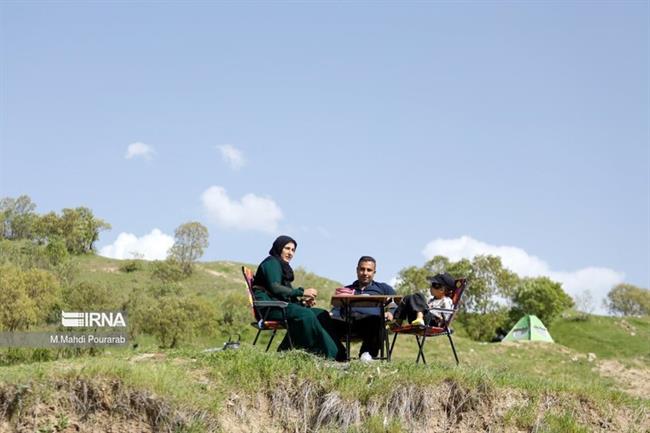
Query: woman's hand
(309, 297)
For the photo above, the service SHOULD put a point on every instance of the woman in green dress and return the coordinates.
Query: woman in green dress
(311, 329)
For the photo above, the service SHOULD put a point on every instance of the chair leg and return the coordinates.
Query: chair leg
(420, 349)
(453, 349)
(271, 340)
(390, 351)
(257, 336)
(289, 337)
(286, 325)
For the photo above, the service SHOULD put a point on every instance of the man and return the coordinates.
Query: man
(367, 320)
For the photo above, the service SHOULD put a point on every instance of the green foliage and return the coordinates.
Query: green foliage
(56, 251)
(17, 217)
(191, 239)
(81, 229)
(18, 309)
(22, 355)
(235, 314)
(540, 296)
(485, 326)
(43, 287)
(23, 253)
(170, 316)
(628, 300)
(486, 278)
(67, 271)
(27, 297)
(88, 296)
(77, 228)
(168, 271)
(412, 279)
(130, 266)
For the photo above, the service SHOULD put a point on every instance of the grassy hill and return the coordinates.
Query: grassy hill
(211, 280)
(595, 378)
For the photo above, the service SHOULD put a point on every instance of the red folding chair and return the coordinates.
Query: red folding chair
(421, 332)
(261, 310)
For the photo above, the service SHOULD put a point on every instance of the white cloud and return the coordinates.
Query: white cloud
(250, 213)
(598, 281)
(139, 149)
(153, 246)
(233, 156)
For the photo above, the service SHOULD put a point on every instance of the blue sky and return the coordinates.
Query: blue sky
(395, 129)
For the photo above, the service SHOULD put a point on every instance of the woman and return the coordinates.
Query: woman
(311, 328)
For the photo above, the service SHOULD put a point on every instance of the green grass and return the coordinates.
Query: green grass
(607, 337)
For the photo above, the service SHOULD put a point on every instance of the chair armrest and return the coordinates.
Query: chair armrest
(278, 304)
(443, 310)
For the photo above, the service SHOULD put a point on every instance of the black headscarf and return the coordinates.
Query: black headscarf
(276, 250)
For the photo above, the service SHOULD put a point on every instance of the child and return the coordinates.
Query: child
(417, 308)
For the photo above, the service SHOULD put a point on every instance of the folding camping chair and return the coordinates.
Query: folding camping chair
(261, 310)
(421, 333)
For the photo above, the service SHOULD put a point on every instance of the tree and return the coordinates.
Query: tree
(27, 297)
(18, 309)
(411, 280)
(81, 229)
(540, 296)
(628, 300)
(17, 217)
(44, 288)
(47, 227)
(191, 239)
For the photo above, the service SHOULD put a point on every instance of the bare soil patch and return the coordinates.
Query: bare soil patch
(634, 381)
(107, 405)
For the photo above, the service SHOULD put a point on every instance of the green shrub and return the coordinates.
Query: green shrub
(169, 315)
(168, 271)
(23, 253)
(235, 314)
(130, 266)
(56, 251)
(27, 297)
(87, 296)
(172, 318)
(484, 327)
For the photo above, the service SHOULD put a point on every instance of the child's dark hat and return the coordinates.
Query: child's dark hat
(444, 280)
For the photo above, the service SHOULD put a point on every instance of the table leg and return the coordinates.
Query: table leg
(348, 322)
(382, 333)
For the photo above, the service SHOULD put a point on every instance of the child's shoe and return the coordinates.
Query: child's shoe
(418, 322)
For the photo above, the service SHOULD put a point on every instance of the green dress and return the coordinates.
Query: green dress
(311, 328)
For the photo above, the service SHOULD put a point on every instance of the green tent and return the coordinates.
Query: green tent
(529, 328)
